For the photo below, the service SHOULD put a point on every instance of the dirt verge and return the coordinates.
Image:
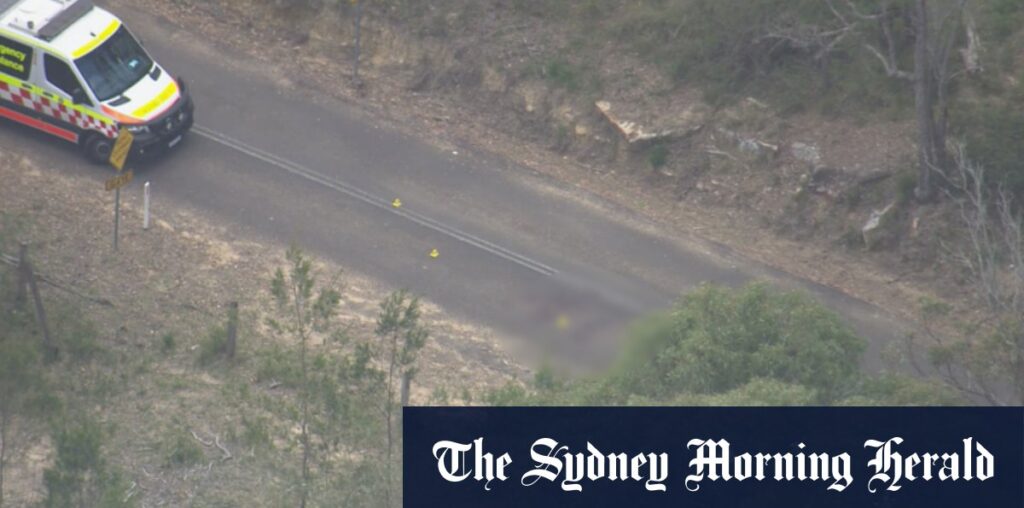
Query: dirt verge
(151, 307)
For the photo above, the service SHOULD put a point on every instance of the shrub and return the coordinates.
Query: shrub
(717, 340)
(562, 74)
(212, 347)
(182, 450)
(167, 343)
(992, 133)
(256, 433)
(906, 183)
(80, 475)
(657, 156)
(277, 364)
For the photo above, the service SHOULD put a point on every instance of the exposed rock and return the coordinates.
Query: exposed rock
(825, 180)
(494, 80)
(823, 174)
(533, 95)
(565, 114)
(871, 230)
(750, 146)
(873, 176)
(807, 153)
(663, 123)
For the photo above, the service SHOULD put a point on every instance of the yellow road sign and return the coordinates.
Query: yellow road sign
(121, 148)
(120, 180)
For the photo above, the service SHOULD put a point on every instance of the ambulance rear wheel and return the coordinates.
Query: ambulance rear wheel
(97, 148)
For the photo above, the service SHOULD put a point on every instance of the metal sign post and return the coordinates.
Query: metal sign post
(117, 215)
(118, 156)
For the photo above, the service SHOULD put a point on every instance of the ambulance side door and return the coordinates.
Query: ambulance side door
(58, 77)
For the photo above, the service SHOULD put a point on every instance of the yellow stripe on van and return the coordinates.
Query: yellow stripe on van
(100, 39)
(157, 101)
(39, 91)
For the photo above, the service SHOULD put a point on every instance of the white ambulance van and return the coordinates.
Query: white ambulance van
(73, 70)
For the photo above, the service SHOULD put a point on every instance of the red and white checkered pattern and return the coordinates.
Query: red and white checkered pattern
(55, 109)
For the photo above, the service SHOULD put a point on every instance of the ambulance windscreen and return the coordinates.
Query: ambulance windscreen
(115, 66)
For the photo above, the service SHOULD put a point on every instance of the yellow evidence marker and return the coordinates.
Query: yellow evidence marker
(434, 254)
(562, 322)
(397, 203)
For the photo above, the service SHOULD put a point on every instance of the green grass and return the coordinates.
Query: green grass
(256, 433)
(180, 449)
(212, 347)
(657, 156)
(566, 74)
(167, 343)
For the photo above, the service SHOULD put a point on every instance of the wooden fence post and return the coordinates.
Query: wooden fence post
(229, 347)
(27, 277)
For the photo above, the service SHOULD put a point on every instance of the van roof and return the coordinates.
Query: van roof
(72, 27)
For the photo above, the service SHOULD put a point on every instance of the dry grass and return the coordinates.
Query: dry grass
(174, 281)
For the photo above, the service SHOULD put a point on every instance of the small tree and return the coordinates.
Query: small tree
(23, 388)
(925, 32)
(304, 309)
(717, 340)
(936, 27)
(989, 364)
(81, 478)
(753, 346)
(401, 338)
(20, 384)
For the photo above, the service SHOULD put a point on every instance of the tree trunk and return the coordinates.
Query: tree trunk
(4, 424)
(305, 425)
(1019, 360)
(389, 409)
(406, 386)
(924, 102)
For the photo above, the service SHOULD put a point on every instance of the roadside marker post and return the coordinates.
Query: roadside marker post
(145, 206)
(118, 156)
(117, 215)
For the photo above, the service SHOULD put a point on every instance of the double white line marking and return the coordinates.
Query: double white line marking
(374, 200)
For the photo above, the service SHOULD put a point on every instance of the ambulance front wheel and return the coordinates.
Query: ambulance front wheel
(97, 148)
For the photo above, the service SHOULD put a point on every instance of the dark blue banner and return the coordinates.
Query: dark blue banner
(714, 457)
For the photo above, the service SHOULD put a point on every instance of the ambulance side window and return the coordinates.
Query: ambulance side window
(60, 75)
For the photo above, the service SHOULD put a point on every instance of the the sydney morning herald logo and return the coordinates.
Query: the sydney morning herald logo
(888, 469)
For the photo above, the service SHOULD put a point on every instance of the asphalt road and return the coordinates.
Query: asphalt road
(551, 265)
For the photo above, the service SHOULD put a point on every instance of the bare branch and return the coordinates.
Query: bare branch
(227, 455)
(972, 51)
(197, 438)
(891, 69)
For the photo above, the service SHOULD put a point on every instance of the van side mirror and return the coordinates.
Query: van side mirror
(79, 97)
